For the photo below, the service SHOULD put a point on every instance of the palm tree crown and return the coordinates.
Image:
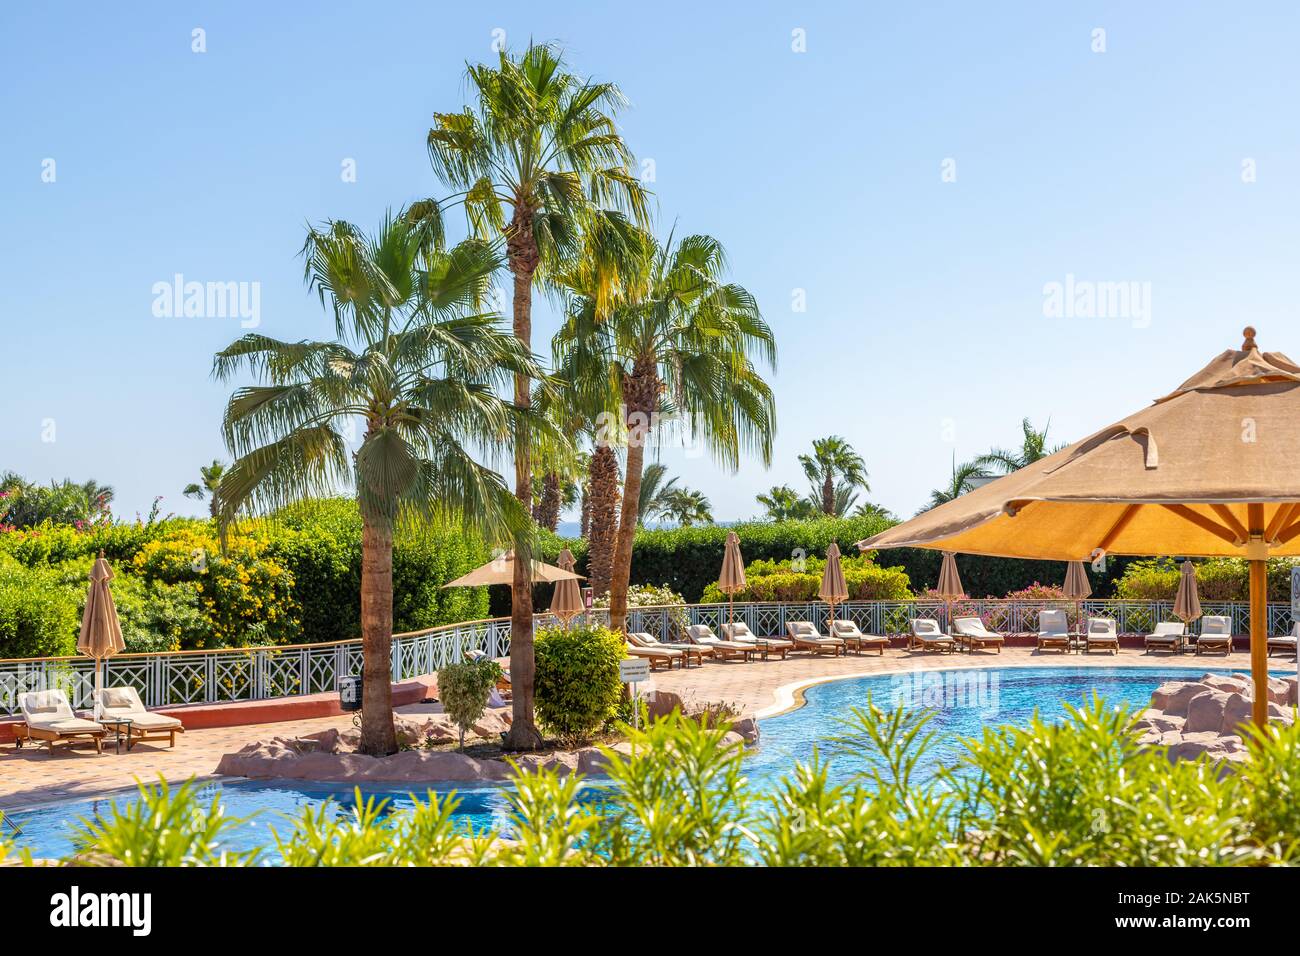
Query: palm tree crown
(1033, 446)
(835, 471)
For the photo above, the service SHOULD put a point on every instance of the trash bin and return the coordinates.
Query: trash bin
(350, 693)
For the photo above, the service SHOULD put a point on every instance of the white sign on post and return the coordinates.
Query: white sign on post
(1295, 593)
(633, 670)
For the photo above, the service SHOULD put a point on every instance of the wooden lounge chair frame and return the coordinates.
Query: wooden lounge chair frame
(768, 645)
(722, 650)
(134, 711)
(1168, 639)
(1214, 639)
(690, 651)
(1105, 638)
(654, 655)
(816, 645)
(852, 636)
(977, 641)
(1049, 640)
(944, 643)
(26, 731)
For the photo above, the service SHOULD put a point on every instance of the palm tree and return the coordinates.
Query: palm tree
(869, 509)
(419, 365)
(783, 503)
(655, 492)
(963, 480)
(679, 338)
(834, 463)
(99, 497)
(210, 476)
(687, 507)
(1033, 446)
(541, 167)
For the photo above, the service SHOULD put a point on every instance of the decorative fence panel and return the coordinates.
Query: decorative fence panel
(258, 673)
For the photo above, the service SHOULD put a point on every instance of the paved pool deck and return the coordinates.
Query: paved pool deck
(31, 776)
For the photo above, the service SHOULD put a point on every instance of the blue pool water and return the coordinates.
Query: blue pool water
(964, 701)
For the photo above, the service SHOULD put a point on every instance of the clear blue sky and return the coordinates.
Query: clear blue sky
(924, 335)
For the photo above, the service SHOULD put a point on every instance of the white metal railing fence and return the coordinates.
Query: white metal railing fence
(259, 673)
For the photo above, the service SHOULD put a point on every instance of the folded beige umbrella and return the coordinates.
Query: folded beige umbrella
(566, 601)
(834, 588)
(1187, 604)
(731, 580)
(101, 633)
(949, 585)
(1077, 588)
(502, 570)
(1211, 469)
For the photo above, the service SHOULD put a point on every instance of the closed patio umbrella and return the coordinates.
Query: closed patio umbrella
(834, 588)
(1187, 603)
(731, 580)
(566, 601)
(1077, 588)
(1210, 469)
(949, 585)
(101, 633)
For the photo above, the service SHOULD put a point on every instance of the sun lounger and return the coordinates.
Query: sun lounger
(926, 633)
(738, 632)
(1168, 636)
(1216, 634)
(1101, 635)
(807, 638)
(703, 635)
(972, 632)
(48, 716)
(1284, 644)
(657, 656)
(848, 632)
(123, 703)
(1053, 630)
(693, 652)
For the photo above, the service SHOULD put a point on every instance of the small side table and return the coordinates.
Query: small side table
(119, 726)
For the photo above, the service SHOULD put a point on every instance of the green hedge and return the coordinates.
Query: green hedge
(293, 577)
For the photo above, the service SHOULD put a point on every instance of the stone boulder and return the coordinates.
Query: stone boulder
(1173, 697)
(1205, 711)
(747, 728)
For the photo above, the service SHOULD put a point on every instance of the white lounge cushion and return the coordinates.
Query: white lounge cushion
(45, 706)
(65, 725)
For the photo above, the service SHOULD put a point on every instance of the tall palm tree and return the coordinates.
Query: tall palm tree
(963, 480)
(655, 492)
(418, 363)
(540, 166)
(687, 507)
(681, 339)
(1033, 446)
(833, 463)
(783, 503)
(210, 476)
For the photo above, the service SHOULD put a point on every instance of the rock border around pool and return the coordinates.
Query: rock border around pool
(1205, 717)
(329, 756)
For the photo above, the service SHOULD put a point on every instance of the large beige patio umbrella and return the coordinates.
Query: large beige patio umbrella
(1187, 603)
(834, 588)
(1076, 589)
(949, 586)
(1211, 469)
(731, 580)
(502, 570)
(101, 634)
(566, 600)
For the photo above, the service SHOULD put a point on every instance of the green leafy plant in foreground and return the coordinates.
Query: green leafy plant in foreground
(1080, 792)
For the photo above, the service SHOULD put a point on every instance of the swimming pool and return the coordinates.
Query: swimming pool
(964, 701)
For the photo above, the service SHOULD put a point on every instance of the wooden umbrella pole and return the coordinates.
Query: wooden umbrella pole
(1259, 639)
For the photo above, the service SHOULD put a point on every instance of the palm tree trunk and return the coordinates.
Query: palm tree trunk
(604, 519)
(377, 735)
(828, 493)
(548, 508)
(584, 515)
(641, 392)
(521, 250)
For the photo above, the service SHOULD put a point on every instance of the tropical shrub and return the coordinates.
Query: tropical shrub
(1217, 579)
(800, 580)
(464, 689)
(649, 595)
(40, 612)
(577, 685)
(1076, 793)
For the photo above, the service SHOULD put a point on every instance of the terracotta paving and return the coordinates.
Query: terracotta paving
(31, 776)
